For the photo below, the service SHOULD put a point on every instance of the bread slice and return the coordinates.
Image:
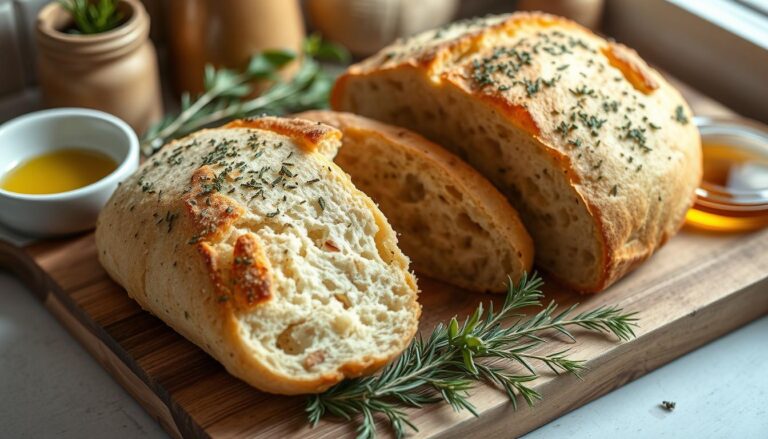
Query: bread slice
(593, 147)
(260, 250)
(453, 224)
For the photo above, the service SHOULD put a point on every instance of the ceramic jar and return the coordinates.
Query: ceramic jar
(114, 71)
(585, 12)
(365, 26)
(227, 33)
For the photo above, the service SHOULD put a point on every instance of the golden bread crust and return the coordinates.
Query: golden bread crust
(307, 134)
(193, 240)
(618, 132)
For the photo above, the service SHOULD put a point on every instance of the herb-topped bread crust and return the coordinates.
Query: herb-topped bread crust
(254, 246)
(453, 224)
(594, 148)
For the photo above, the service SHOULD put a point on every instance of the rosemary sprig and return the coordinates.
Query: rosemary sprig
(445, 366)
(226, 90)
(93, 17)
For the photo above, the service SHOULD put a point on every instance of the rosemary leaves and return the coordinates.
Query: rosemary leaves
(93, 17)
(226, 92)
(446, 366)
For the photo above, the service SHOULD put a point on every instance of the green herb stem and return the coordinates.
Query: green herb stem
(445, 367)
(93, 17)
(272, 96)
(225, 90)
(160, 138)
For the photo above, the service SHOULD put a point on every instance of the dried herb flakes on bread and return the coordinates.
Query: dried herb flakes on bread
(592, 146)
(253, 245)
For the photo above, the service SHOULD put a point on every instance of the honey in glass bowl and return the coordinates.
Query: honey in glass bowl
(733, 195)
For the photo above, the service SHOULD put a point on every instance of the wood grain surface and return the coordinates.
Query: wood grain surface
(696, 288)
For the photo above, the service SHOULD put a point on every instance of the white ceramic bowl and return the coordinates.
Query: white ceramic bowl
(36, 133)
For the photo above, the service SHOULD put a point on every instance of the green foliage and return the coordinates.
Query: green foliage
(316, 47)
(227, 90)
(93, 16)
(445, 366)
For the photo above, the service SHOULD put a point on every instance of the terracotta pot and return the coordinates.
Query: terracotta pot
(114, 71)
(227, 33)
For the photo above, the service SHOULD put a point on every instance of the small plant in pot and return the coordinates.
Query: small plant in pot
(97, 54)
(91, 17)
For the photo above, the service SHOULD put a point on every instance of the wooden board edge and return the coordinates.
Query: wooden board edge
(137, 388)
(21, 265)
(105, 350)
(698, 328)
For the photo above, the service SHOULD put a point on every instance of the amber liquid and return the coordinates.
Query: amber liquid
(58, 171)
(734, 173)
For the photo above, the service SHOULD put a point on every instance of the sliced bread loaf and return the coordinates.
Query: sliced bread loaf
(594, 148)
(260, 250)
(453, 224)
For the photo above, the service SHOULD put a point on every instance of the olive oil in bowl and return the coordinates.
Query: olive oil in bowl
(58, 168)
(57, 171)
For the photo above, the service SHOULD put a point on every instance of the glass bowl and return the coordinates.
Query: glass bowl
(733, 195)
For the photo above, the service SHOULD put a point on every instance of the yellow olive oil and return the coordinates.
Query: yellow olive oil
(58, 171)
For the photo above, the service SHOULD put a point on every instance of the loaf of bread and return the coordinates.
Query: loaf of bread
(594, 148)
(257, 248)
(453, 224)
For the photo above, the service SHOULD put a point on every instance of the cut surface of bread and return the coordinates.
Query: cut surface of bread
(592, 146)
(260, 250)
(453, 224)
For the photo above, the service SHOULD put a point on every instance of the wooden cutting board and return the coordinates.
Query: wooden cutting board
(698, 287)
(695, 289)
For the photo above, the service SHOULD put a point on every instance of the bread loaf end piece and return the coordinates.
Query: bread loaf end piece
(257, 248)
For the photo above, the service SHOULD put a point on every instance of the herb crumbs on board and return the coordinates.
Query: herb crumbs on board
(668, 405)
